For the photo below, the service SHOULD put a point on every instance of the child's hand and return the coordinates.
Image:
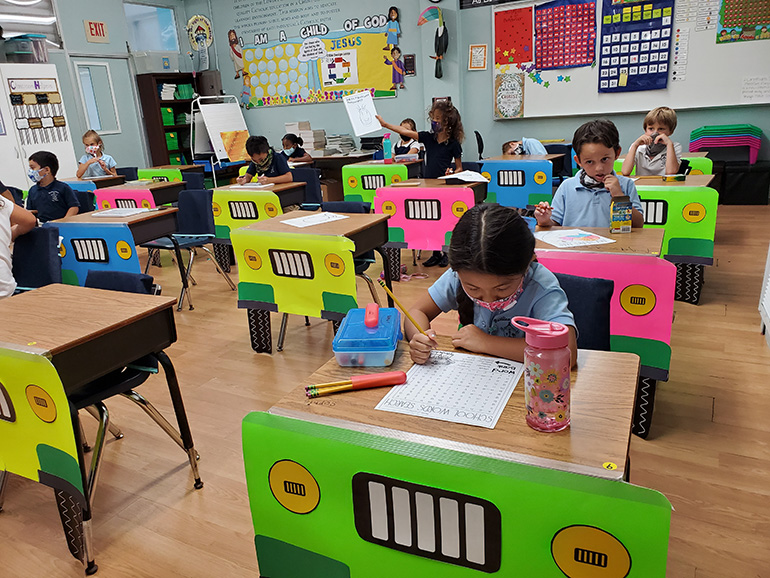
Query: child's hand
(612, 184)
(263, 180)
(101, 164)
(645, 139)
(543, 212)
(421, 345)
(449, 171)
(663, 138)
(243, 179)
(380, 120)
(470, 337)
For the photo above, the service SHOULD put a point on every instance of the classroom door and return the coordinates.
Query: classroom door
(106, 91)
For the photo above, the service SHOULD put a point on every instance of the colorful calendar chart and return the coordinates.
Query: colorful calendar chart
(456, 387)
(565, 34)
(513, 36)
(742, 20)
(635, 47)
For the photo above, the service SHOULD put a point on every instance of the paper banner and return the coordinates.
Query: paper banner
(235, 144)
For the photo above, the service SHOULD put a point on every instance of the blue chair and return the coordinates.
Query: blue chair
(131, 173)
(562, 167)
(378, 155)
(312, 177)
(589, 301)
(86, 199)
(17, 194)
(36, 260)
(472, 166)
(196, 230)
(195, 180)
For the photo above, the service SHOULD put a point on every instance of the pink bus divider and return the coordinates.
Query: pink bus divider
(107, 198)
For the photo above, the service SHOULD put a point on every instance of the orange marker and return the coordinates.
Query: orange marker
(357, 382)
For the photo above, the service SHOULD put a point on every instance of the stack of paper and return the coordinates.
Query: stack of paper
(295, 127)
(166, 91)
(371, 143)
(313, 139)
(343, 142)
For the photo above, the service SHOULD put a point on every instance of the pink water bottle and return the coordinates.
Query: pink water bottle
(547, 366)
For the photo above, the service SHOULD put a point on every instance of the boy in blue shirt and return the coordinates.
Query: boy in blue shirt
(48, 198)
(584, 200)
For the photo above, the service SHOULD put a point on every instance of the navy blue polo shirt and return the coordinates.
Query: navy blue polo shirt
(278, 167)
(438, 156)
(51, 202)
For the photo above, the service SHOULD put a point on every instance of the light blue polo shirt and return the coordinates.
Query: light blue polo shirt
(532, 146)
(542, 298)
(96, 170)
(577, 206)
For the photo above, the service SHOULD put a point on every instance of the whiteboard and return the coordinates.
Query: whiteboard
(735, 73)
(219, 118)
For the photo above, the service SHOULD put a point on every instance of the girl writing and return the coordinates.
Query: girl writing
(95, 163)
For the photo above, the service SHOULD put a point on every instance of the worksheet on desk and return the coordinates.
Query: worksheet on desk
(456, 387)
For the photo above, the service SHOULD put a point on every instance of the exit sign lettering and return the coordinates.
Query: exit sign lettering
(96, 31)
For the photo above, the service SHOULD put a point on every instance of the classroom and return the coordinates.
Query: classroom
(229, 212)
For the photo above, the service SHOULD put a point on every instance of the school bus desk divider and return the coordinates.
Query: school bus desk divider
(361, 180)
(518, 183)
(95, 246)
(641, 313)
(689, 217)
(160, 175)
(138, 198)
(292, 273)
(235, 209)
(333, 501)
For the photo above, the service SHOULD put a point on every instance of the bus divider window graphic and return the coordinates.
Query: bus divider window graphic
(518, 183)
(422, 217)
(95, 246)
(642, 306)
(361, 180)
(160, 175)
(108, 198)
(295, 273)
(377, 506)
(235, 209)
(689, 217)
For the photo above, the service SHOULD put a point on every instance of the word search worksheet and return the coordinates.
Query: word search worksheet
(456, 387)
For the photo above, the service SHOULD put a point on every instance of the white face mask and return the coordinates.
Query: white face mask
(34, 175)
(93, 150)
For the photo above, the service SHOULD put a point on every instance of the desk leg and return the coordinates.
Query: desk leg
(223, 253)
(394, 256)
(643, 407)
(182, 274)
(386, 266)
(259, 330)
(76, 517)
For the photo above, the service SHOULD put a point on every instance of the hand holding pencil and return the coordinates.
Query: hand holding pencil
(423, 342)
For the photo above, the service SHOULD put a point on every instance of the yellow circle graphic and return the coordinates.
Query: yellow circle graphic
(216, 209)
(609, 466)
(146, 204)
(253, 260)
(62, 250)
(486, 175)
(294, 487)
(271, 210)
(352, 182)
(694, 212)
(637, 300)
(41, 403)
(124, 250)
(540, 177)
(105, 204)
(589, 552)
(696, 172)
(459, 208)
(388, 208)
(177, 180)
(334, 264)
(395, 179)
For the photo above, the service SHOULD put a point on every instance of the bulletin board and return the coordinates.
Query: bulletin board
(710, 73)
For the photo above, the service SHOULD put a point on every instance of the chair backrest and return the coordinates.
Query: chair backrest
(194, 180)
(562, 167)
(347, 207)
(17, 194)
(131, 173)
(479, 143)
(589, 301)
(195, 215)
(378, 155)
(472, 166)
(119, 281)
(312, 177)
(86, 200)
(36, 260)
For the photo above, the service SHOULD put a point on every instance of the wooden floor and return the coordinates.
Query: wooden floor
(709, 450)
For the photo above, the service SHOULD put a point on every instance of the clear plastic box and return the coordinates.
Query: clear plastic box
(29, 48)
(357, 345)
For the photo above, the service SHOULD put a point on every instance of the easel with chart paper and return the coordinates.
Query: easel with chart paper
(211, 117)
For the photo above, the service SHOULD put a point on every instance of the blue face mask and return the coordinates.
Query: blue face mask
(35, 175)
(289, 152)
(435, 126)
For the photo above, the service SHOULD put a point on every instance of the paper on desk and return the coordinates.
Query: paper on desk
(121, 212)
(566, 238)
(316, 219)
(456, 387)
(361, 111)
(467, 176)
(255, 185)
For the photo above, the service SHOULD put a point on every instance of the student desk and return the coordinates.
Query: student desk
(361, 180)
(685, 155)
(548, 157)
(100, 182)
(183, 168)
(638, 242)
(689, 181)
(303, 271)
(46, 327)
(147, 194)
(519, 180)
(331, 171)
(288, 193)
(423, 214)
(437, 479)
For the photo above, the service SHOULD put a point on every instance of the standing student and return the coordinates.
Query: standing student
(48, 198)
(292, 149)
(14, 221)
(654, 153)
(407, 146)
(95, 163)
(584, 200)
(267, 165)
(493, 278)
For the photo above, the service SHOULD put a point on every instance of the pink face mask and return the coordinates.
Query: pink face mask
(501, 304)
(93, 150)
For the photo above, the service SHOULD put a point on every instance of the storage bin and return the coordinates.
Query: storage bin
(29, 48)
(172, 141)
(168, 116)
(357, 345)
(175, 159)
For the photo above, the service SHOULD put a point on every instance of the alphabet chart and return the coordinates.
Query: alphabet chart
(456, 387)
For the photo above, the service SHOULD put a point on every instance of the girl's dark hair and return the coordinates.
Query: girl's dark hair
(257, 145)
(411, 123)
(450, 117)
(293, 138)
(398, 13)
(489, 239)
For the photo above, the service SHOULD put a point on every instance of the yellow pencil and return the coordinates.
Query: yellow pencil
(400, 306)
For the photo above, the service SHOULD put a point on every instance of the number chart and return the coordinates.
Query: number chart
(565, 34)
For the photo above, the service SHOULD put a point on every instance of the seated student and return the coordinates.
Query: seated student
(48, 198)
(14, 221)
(654, 153)
(292, 149)
(266, 165)
(407, 145)
(95, 163)
(493, 278)
(525, 146)
(584, 200)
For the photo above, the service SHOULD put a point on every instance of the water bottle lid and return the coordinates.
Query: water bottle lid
(386, 135)
(542, 334)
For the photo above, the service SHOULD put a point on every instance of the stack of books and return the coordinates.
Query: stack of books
(295, 127)
(166, 91)
(342, 142)
(371, 143)
(313, 139)
(184, 92)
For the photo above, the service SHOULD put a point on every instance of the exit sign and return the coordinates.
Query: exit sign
(96, 31)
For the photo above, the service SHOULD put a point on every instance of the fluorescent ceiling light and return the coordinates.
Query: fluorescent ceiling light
(46, 20)
(23, 2)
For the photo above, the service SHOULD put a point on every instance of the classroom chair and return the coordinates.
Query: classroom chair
(195, 181)
(131, 173)
(196, 230)
(36, 260)
(17, 194)
(312, 178)
(87, 200)
(472, 166)
(562, 167)
(589, 301)
(479, 143)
